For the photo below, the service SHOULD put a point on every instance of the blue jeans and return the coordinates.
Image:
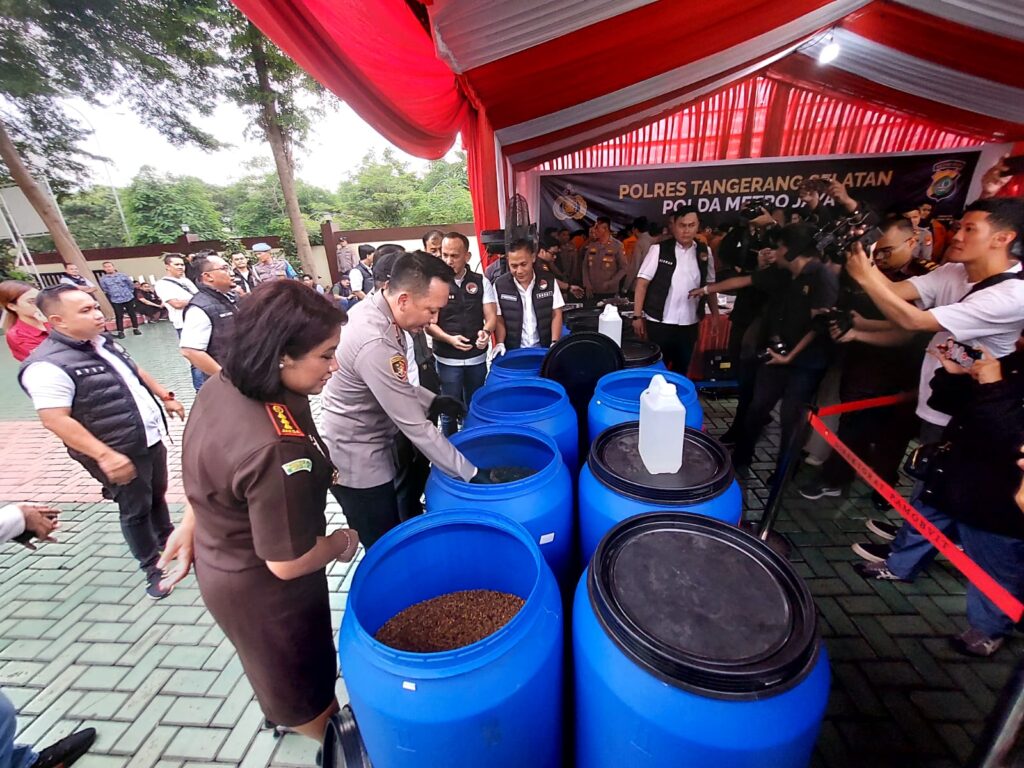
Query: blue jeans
(459, 381)
(12, 755)
(198, 378)
(911, 552)
(1002, 558)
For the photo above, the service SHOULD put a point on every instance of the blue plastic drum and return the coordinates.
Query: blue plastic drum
(516, 364)
(694, 644)
(615, 485)
(538, 403)
(542, 502)
(617, 399)
(495, 703)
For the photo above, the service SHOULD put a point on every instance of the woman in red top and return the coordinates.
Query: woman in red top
(24, 328)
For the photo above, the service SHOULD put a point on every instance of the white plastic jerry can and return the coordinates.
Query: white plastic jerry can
(662, 427)
(610, 324)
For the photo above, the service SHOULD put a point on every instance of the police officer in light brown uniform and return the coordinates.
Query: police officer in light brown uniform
(370, 399)
(603, 261)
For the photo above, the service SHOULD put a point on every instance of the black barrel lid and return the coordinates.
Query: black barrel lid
(706, 471)
(704, 606)
(343, 746)
(577, 362)
(582, 319)
(640, 354)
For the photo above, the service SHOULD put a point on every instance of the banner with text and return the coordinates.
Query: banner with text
(718, 191)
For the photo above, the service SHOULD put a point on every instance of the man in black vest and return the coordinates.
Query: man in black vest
(209, 318)
(529, 302)
(92, 395)
(664, 311)
(361, 275)
(463, 328)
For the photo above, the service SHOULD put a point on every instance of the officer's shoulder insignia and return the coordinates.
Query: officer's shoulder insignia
(283, 421)
(400, 367)
(472, 288)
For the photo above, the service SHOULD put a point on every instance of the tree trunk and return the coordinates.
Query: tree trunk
(279, 146)
(62, 238)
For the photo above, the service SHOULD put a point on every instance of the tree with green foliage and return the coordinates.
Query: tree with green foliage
(155, 54)
(156, 208)
(379, 193)
(92, 217)
(445, 195)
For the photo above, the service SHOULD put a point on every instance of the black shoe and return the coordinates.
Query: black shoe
(153, 588)
(974, 642)
(818, 490)
(883, 529)
(66, 751)
(136, 331)
(873, 553)
(878, 502)
(119, 335)
(876, 572)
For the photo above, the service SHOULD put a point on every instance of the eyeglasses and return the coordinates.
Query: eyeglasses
(887, 250)
(225, 268)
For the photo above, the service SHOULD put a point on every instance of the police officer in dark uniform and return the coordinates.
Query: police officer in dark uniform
(210, 317)
(670, 271)
(529, 302)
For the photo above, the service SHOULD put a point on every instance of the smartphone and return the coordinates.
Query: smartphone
(963, 354)
(1014, 165)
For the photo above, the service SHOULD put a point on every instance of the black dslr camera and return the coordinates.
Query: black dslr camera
(841, 317)
(776, 345)
(836, 239)
(756, 207)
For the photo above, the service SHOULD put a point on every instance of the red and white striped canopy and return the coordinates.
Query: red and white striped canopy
(526, 81)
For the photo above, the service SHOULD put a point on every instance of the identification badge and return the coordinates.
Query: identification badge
(400, 367)
(298, 465)
(284, 423)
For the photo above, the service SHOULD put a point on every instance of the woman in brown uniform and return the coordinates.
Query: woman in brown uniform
(256, 475)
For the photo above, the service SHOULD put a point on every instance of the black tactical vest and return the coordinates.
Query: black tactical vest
(657, 291)
(463, 315)
(511, 304)
(221, 311)
(367, 274)
(103, 403)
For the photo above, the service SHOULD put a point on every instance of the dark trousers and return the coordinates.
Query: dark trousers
(120, 310)
(460, 382)
(676, 342)
(795, 387)
(879, 436)
(142, 503)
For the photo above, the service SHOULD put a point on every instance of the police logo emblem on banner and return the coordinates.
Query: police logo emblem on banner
(400, 367)
(472, 288)
(945, 179)
(569, 206)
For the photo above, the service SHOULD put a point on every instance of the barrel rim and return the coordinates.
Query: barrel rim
(711, 489)
(481, 410)
(627, 373)
(729, 681)
(512, 354)
(444, 664)
(463, 489)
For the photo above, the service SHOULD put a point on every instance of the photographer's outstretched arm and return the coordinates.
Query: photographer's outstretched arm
(892, 299)
(732, 284)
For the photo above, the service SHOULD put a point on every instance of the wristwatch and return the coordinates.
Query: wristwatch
(168, 397)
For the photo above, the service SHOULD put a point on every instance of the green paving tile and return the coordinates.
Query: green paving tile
(103, 653)
(192, 710)
(196, 743)
(190, 682)
(101, 678)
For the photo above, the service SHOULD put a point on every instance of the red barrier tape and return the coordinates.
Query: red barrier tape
(863, 405)
(994, 591)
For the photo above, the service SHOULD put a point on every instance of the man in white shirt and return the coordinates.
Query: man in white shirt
(664, 311)
(209, 318)
(974, 298)
(361, 275)
(73, 276)
(529, 302)
(91, 394)
(176, 291)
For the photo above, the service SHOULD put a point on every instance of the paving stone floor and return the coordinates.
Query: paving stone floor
(80, 644)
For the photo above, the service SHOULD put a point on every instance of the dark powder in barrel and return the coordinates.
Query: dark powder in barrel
(510, 474)
(449, 621)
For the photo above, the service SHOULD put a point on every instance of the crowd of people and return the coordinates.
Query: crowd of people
(401, 342)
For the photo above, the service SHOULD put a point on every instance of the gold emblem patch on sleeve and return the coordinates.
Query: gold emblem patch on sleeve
(400, 367)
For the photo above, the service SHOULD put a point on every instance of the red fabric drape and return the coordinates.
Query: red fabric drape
(378, 58)
(762, 117)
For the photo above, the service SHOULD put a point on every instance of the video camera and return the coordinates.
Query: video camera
(834, 240)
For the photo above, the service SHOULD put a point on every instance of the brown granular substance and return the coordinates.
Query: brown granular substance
(449, 621)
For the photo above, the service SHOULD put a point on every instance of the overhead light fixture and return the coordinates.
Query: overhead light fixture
(829, 52)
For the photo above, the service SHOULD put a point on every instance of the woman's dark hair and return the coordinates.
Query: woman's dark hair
(282, 317)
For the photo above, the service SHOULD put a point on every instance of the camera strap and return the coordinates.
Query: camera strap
(988, 282)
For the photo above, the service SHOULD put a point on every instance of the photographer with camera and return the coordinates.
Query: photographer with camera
(795, 355)
(814, 192)
(975, 298)
(879, 436)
